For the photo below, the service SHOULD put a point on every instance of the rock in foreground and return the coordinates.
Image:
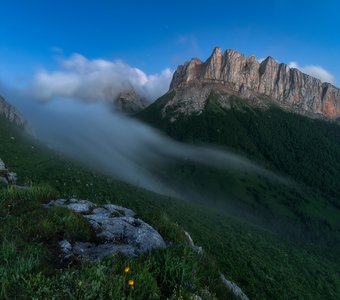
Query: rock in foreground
(7, 177)
(115, 226)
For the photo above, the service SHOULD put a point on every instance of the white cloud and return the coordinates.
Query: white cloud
(97, 79)
(315, 71)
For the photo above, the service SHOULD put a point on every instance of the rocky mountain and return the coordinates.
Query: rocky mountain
(129, 101)
(11, 114)
(231, 73)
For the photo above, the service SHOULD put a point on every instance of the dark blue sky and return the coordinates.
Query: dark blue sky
(153, 35)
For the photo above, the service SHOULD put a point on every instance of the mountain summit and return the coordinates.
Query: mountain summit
(231, 73)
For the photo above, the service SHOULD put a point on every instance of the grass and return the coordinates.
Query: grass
(266, 264)
(31, 266)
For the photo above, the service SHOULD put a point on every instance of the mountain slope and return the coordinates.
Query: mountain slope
(129, 101)
(306, 149)
(265, 265)
(10, 113)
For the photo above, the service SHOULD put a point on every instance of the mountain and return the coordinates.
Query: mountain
(231, 73)
(11, 114)
(128, 101)
(201, 109)
(263, 263)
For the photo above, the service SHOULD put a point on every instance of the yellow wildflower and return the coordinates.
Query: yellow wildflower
(126, 269)
(131, 282)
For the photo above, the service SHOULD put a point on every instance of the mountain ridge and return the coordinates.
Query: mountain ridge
(233, 73)
(10, 113)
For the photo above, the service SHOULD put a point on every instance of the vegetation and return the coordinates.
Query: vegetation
(295, 147)
(263, 263)
(305, 149)
(30, 266)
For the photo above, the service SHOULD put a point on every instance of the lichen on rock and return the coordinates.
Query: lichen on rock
(115, 226)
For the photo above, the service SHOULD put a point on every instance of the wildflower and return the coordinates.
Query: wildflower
(131, 282)
(126, 269)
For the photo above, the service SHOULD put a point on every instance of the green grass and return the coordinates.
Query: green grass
(31, 266)
(265, 264)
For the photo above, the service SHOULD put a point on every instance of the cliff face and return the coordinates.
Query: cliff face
(129, 102)
(248, 78)
(11, 114)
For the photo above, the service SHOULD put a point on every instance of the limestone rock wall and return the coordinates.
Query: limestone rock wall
(249, 77)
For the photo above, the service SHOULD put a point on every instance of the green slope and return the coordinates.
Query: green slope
(307, 150)
(264, 264)
(296, 147)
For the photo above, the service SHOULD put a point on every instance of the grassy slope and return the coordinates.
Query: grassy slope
(265, 265)
(303, 149)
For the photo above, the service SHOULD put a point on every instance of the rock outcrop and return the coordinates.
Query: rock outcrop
(129, 102)
(233, 73)
(232, 286)
(12, 115)
(115, 226)
(7, 177)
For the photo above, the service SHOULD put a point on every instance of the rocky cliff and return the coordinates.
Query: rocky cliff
(11, 114)
(233, 73)
(129, 101)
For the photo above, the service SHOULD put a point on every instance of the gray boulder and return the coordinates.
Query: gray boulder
(7, 177)
(3, 180)
(115, 226)
(11, 178)
(3, 169)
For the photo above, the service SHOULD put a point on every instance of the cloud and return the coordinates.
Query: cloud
(97, 79)
(315, 71)
(119, 146)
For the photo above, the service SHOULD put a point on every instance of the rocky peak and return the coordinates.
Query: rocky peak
(186, 73)
(249, 78)
(213, 65)
(11, 114)
(128, 101)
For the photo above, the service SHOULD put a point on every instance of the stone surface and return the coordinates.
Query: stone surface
(11, 178)
(3, 169)
(115, 226)
(65, 246)
(11, 114)
(79, 206)
(237, 291)
(192, 245)
(120, 209)
(129, 101)
(7, 177)
(232, 73)
(234, 288)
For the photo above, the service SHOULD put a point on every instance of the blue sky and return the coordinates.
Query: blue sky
(154, 35)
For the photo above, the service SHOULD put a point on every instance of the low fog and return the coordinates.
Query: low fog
(71, 110)
(117, 145)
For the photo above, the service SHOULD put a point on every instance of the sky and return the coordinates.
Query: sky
(49, 43)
